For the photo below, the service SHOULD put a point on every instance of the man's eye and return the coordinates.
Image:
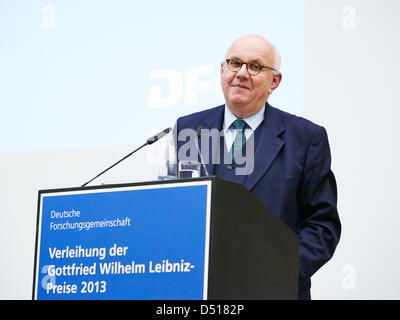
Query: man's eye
(255, 66)
(236, 63)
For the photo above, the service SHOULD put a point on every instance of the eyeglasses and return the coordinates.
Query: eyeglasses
(252, 67)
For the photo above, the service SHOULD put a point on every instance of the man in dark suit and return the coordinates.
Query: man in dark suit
(291, 173)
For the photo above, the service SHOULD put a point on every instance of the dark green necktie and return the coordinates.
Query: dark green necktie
(240, 139)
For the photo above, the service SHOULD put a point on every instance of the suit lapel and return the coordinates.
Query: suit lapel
(268, 146)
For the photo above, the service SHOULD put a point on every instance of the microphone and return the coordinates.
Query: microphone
(149, 141)
(158, 136)
(198, 150)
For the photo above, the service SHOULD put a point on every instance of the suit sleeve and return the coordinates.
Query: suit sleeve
(320, 227)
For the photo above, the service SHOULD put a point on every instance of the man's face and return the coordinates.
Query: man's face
(246, 94)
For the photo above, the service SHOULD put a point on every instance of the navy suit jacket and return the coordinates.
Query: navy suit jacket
(292, 177)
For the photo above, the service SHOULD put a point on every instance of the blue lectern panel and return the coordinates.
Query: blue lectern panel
(130, 243)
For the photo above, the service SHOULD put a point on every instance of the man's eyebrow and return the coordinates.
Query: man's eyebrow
(252, 60)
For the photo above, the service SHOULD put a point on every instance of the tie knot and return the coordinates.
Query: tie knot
(239, 124)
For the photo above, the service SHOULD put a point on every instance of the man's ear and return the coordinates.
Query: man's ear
(222, 67)
(275, 82)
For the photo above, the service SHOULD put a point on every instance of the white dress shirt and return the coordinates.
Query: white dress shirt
(252, 123)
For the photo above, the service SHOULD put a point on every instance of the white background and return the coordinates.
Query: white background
(75, 79)
(351, 87)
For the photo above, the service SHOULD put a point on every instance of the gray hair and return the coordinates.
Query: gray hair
(277, 60)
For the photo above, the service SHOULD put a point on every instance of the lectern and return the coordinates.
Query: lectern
(190, 239)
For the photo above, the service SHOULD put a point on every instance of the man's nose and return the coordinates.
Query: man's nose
(242, 72)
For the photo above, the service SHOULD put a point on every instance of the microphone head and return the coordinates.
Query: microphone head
(168, 130)
(158, 136)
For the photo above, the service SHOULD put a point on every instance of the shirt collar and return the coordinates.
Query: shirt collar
(253, 121)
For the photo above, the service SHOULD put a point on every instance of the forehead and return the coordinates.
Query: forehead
(249, 49)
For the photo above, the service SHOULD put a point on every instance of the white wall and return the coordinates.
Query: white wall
(351, 87)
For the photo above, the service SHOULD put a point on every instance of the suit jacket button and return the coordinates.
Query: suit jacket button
(229, 167)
